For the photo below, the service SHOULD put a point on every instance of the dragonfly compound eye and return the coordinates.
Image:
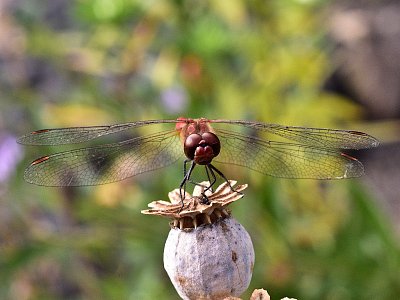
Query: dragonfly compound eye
(213, 141)
(191, 143)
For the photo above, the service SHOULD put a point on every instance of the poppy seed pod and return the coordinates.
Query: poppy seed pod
(208, 254)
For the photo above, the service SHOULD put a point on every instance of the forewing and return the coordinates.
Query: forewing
(286, 160)
(106, 163)
(318, 137)
(72, 135)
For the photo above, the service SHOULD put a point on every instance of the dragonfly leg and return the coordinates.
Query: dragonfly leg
(212, 168)
(186, 178)
(212, 181)
(214, 178)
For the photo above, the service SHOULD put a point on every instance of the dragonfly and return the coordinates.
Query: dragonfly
(296, 152)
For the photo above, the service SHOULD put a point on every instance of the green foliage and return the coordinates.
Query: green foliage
(110, 61)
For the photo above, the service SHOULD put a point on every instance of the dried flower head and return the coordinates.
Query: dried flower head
(194, 212)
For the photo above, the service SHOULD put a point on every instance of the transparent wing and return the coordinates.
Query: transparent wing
(286, 160)
(106, 163)
(319, 137)
(72, 135)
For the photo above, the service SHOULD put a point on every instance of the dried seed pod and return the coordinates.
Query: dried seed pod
(211, 261)
(208, 254)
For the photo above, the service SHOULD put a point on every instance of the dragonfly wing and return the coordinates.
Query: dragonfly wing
(72, 135)
(106, 163)
(319, 137)
(286, 160)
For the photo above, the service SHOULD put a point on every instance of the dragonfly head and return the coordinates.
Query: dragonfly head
(202, 148)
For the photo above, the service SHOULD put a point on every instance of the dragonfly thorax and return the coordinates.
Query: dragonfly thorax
(202, 148)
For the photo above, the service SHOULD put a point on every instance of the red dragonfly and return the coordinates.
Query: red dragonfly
(300, 152)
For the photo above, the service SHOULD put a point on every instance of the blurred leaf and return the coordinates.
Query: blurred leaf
(105, 10)
(70, 115)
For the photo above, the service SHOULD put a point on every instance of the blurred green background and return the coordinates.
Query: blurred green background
(77, 63)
